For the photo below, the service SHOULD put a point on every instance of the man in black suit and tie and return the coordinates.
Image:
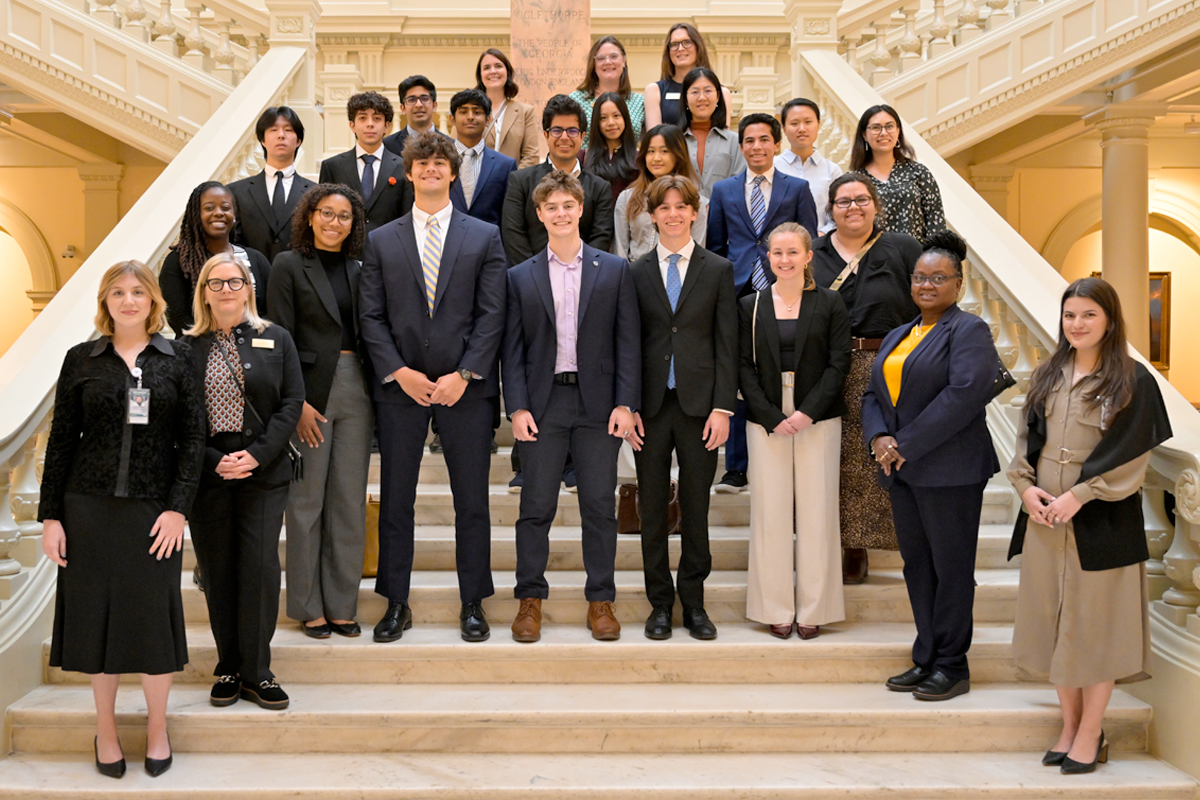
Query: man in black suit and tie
(432, 311)
(572, 382)
(689, 390)
(265, 201)
(483, 180)
(377, 173)
(419, 100)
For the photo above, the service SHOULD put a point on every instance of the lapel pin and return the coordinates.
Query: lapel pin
(391, 181)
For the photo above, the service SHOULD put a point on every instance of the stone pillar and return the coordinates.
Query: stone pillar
(992, 182)
(550, 43)
(101, 204)
(756, 84)
(1125, 242)
(340, 82)
(814, 27)
(293, 23)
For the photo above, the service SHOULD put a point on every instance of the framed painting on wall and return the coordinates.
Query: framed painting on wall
(1160, 319)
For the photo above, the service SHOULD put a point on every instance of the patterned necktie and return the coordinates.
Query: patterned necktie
(758, 216)
(674, 285)
(431, 259)
(368, 177)
(467, 174)
(278, 202)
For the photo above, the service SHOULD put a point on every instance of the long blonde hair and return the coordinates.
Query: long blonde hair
(158, 306)
(202, 312)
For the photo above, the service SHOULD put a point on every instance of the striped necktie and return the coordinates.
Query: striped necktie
(758, 216)
(431, 259)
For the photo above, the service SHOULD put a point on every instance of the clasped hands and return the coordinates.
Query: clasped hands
(445, 391)
(793, 424)
(1046, 509)
(887, 453)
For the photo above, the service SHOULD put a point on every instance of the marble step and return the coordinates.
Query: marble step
(707, 776)
(578, 718)
(743, 653)
(435, 598)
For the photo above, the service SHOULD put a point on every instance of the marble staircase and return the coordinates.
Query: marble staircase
(745, 716)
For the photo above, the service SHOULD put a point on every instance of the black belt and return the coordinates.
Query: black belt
(566, 378)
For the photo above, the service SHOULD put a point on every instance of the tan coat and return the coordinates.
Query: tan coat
(520, 134)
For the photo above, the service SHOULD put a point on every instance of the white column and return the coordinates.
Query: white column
(293, 23)
(814, 27)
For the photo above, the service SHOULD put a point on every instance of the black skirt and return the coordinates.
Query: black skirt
(118, 608)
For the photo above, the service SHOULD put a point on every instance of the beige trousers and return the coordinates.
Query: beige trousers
(795, 571)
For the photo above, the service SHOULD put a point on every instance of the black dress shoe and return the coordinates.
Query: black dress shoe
(436, 445)
(225, 691)
(907, 681)
(316, 631)
(1072, 767)
(157, 766)
(658, 624)
(268, 694)
(473, 623)
(940, 686)
(113, 769)
(350, 629)
(698, 623)
(1053, 758)
(395, 622)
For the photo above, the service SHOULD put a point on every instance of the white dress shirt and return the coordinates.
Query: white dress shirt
(273, 175)
(766, 188)
(421, 224)
(576, 171)
(359, 152)
(819, 172)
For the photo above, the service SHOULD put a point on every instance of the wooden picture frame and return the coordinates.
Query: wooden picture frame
(1160, 319)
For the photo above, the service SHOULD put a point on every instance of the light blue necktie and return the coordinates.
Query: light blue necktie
(758, 216)
(674, 285)
(368, 176)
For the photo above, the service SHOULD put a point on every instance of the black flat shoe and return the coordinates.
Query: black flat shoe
(698, 623)
(316, 631)
(940, 686)
(658, 624)
(113, 769)
(1053, 758)
(225, 691)
(473, 624)
(395, 622)
(349, 629)
(907, 681)
(157, 766)
(1072, 767)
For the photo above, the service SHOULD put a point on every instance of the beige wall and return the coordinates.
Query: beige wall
(15, 310)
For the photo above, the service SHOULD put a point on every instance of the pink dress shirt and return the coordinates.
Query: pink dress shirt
(564, 284)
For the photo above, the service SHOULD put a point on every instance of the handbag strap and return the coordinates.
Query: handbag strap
(754, 330)
(852, 265)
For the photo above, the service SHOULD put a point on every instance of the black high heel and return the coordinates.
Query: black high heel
(157, 766)
(113, 769)
(1053, 758)
(1072, 767)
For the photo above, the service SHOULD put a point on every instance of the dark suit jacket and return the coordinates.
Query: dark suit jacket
(389, 200)
(608, 344)
(256, 225)
(396, 141)
(731, 232)
(273, 386)
(524, 234)
(177, 290)
(939, 419)
(701, 334)
(301, 300)
(822, 357)
(488, 201)
(467, 324)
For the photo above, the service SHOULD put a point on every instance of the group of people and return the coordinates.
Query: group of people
(705, 291)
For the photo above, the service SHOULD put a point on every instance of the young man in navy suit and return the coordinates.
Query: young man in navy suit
(572, 382)
(432, 317)
(483, 179)
(743, 209)
(418, 99)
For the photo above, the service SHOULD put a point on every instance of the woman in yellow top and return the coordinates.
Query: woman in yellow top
(923, 418)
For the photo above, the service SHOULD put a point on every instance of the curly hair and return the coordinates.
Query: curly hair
(557, 181)
(370, 101)
(302, 232)
(193, 241)
(430, 144)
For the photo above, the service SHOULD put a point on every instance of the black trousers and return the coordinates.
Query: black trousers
(938, 531)
(466, 429)
(235, 528)
(672, 430)
(565, 427)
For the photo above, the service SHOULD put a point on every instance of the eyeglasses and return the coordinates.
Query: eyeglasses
(573, 133)
(234, 284)
(613, 57)
(935, 280)
(875, 130)
(682, 44)
(845, 202)
(418, 100)
(329, 216)
(698, 91)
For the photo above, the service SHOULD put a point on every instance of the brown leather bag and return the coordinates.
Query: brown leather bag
(629, 519)
(371, 552)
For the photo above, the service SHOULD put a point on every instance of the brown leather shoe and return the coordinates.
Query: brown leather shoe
(854, 565)
(527, 627)
(602, 622)
(781, 631)
(808, 631)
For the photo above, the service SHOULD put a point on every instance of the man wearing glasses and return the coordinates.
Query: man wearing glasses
(418, 96)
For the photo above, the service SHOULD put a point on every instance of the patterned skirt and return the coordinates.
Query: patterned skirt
(866, 509)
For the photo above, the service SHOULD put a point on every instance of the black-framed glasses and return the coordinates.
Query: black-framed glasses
(217, 284)
(935, 280)
(877, 129)
(418, 100)
(845, 202)
(573, 133)
(682, 44)
(345, 218)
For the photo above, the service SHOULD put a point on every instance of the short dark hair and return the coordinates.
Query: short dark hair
(417, 80)
(557, 181)
(720, 117)
(370, 101)
(428, 145)
(868, 184)
(760, 118)
(561, 105)
(657, 194)
(470, 97)
(302, 232)
(268, 119)
(510, 86)
(797, 102)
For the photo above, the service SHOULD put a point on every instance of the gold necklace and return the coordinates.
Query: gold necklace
(786, 305)
(919, 332)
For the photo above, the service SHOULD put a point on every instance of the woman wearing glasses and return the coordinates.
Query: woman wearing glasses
(714, 149)
(608, 72)
(924, 420)
(683, 51)
(315, 297)
(870, 269)
(912, 203)
(253, 392)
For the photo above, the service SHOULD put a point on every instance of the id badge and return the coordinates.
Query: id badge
(139, 407)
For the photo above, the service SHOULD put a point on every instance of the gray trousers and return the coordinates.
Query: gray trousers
(327, 510)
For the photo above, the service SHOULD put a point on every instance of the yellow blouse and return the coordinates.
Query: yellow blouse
(893, 365)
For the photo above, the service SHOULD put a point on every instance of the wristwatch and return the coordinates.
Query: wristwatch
(466, 375)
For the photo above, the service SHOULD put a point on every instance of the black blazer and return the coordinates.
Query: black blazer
(395, 142)
(467, 324)
(608, 341)
(940, 417)
(392, 197)
(178, 291)
(274, 387)
(524, 234)
(487, 204)
(302, 301)
(256, 225)
(701, 334)
(822, 357)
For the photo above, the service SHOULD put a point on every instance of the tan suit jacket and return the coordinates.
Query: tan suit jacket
(520, 135)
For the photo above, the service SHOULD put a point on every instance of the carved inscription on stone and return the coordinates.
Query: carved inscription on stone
(550, 42)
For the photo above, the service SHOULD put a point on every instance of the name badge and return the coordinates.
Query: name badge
(671, 96)
(268, 344)
(139, 407)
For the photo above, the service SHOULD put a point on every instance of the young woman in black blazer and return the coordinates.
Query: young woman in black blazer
(253, 392)
(795, 353)
(924, 419)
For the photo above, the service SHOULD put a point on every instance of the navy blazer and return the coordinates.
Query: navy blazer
(731, 232)
(490, 188)
(940, 417)
(608, 344)
(467, 324)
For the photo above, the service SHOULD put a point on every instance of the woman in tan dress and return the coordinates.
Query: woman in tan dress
(514, 130)
(1094, 414)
